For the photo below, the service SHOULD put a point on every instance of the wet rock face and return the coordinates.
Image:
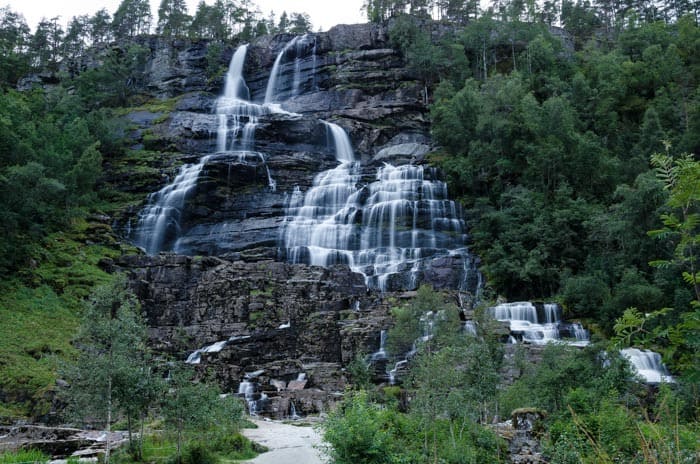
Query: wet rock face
(264, 314)
(278, 318)
(353, 78)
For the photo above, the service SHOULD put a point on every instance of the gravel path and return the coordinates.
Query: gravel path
(288, 444)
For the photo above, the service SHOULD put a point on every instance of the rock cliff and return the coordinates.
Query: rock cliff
(353, 78)
(232, 305)
(271, 318)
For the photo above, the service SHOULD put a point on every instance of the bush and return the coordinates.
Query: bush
(197, 453)
(23, 456)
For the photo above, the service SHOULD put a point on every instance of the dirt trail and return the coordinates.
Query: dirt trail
(288, 444)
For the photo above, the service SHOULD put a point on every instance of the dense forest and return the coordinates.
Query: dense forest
(569, 131)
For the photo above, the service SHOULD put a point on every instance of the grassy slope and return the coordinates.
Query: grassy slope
(40, 312)
(40, 307)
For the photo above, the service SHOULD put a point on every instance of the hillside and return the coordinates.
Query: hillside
(286, 207)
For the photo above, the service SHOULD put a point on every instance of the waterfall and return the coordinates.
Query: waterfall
(237, 118)
(395, 225)
(159, 225)
(321, 223)
(293, 411)
(470, 328)
(381, 353)
(196, 356)
(648, 365)
(289, 61)
(539, 325)
(248, 390)
(159, 221)
(385, 228)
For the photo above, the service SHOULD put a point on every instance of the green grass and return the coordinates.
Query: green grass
(37, 326)
(160, 448)
(40, 312)
(23, 456)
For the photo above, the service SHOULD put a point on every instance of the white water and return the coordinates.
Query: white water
(387, 227)
(159, 224)
(320, 224)
(160, 219)
(289, 61)
(196, 356)
(470, 328)
(247, 390)
(648, 365)
(381, 353)
(537, 327)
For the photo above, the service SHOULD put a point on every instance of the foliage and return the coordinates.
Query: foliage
(360, 372)
(196, 410)
(357, 433)
(40, 310)
(112, 373)
(173, 19)
(158, 447)
(673, 330)
(23, 457)
(549, 151)
(598, 413)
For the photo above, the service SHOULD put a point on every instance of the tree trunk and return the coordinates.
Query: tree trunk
(109, 416)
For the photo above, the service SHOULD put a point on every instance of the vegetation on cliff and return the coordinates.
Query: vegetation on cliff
(547, 141)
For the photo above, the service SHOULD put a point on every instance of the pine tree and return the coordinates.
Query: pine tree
(173, 19)
(132, 18)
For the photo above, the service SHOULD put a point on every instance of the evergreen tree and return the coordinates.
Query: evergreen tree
(173, 19)
(283, 24)
(100, 25)
(77, 37)
(132, 18)
(300, 23)
(15, 38)
(45, 46)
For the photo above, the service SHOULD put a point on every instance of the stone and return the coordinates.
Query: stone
(296, 385)
(278, 318)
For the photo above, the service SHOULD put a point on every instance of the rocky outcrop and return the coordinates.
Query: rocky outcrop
(274, 319)
(353, 77)
(59, 442)
(232, 306)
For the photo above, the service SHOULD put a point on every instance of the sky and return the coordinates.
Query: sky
(324, 13)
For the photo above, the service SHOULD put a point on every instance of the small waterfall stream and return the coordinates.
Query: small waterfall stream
(648, 365)
(289, 61)
(539, 325)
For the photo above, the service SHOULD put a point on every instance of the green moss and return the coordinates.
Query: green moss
(40, 311)
(256, 316)
(267, 291)
(153, 106)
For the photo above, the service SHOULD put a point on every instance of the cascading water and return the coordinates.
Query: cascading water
(321, 223)
(159, 225)
(648, 365)
(290, 62)
(248, 390)
(381, 353)
(159, 221)
(388, 227)
(539, 325)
